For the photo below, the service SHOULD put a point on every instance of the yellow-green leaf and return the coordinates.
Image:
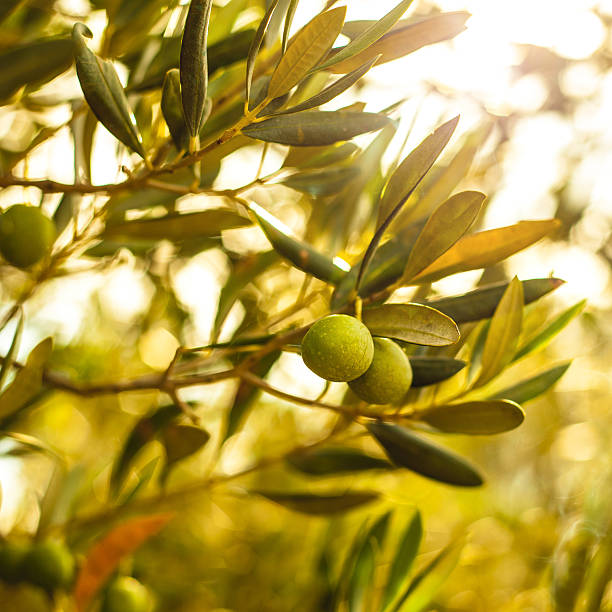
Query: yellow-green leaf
(309, 46)
(405, 38)
(414, 323)
(475, 418)
(486, 248)
(503, 334)
(28, 380)
(448, 223)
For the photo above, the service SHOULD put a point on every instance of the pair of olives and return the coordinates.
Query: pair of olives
(47, 564)
(340, 348)
(26, 235)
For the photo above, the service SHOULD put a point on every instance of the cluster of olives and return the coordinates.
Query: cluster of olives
(340, 348)
(26, 235)
(47, 564)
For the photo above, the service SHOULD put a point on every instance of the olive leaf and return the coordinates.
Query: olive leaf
(288, 22)
(475, 418)
(307, 48)
(172, 109)
(336, 460)
(407, 450)
(310, 503)
(321, 182)
(413, 323)
(104, 92)
(315, 128)
(430, 370)
(527, 389)
(7, 360)
(180, 442)
(194, 65)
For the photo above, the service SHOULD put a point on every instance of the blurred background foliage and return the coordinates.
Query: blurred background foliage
(533, 84)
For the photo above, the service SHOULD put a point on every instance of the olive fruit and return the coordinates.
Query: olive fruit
(388, 378)
(26, 235)
(338, 348)
(12, 555)
(50, 565)
(126, 594)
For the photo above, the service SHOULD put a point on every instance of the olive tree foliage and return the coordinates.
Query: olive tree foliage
(205, 82)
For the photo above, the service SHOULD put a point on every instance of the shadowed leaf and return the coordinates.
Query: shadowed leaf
(309, 503)
(172, 109)
(181, 441)
(407, 450)
(430, 370)
(340, 460)
(532, 387)
(321, 182)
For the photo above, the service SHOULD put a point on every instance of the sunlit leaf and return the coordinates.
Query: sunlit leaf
(178, 227)
(194, 64)
(27, 382)
(319, 157)
(321, 182)
(306, 49)
(428, 581)
(104, 92)
(407, 450)
(288, 22)
(315, 128)
(403, 560)
(411, 323)
(503, 334)
(142, 479)
(532, 387)
(406, 37)
(482, 302)
(430, 370)
(172, 109)
(449, 222)
(105, 555)
(542, 338)
(486, 248)
(310, 503)
(475, 418)
(336, 460)
(32, 63)
(7, 360)
(369, 36)
(300, 254)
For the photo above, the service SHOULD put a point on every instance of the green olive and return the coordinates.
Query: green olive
(26, 235)
(338, 348)
(50, 565)
(12, 555)
(388, 378)
(126, 594)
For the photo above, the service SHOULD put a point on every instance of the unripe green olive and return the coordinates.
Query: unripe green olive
(338, 348)
(12, 555)
(50, 565)
(388, 378)
(26, 235)
(126, 594)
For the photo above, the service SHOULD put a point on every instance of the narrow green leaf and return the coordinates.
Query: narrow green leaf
(405, 37)
(145, 430)
(402, 562)
(180, 442)
(255, 46)
(315, 128)
(403, 182)
(431, 370)
(319, 157)
(321, 182)
(32, 64)
(178, 227)
(449, 222)
(104, 93)
(300, 254)
(371, 35)
(333, 90)
(288, 22)
(414, 453)
(65, 211)
(172, 109)
(413, 323)
(482, 302)
(309, 503)
(503, 334)
(486, 248)
(365, 558)
(541, 339)
(58, 506)
(7, 361)
(27, 382)
(336, 460)
(532, 387)
(475, 418)
(308, 47)
(428, 581)
(247, 394)
(143, 478)
(194, 64)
